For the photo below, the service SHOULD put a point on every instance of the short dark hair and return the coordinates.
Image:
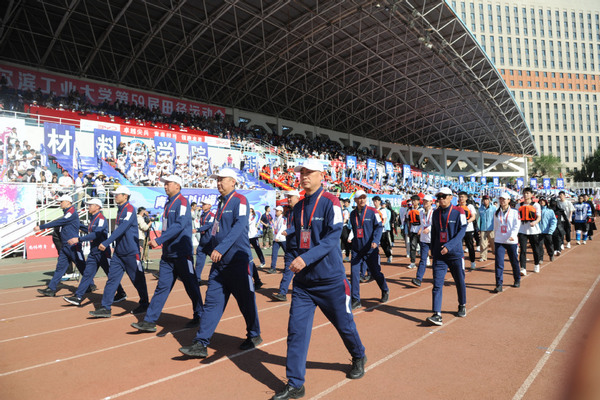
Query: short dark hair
(193, 204)
(415, 197)
(140, 209)
(376, 198)
(561, 192)
(463, 192)
(527, 189)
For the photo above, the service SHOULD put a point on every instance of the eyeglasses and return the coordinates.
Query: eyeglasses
(441, 196)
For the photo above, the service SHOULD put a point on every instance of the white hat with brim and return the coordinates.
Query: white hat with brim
(428, 197)
(206, 201)
(225, 173)
(278, 208)
(505, 196)
(172, 178)
(444, 190)
(94, 201)
(359, 193)
(310, 164)
(292, 193)
(123, 190)
(65, 197)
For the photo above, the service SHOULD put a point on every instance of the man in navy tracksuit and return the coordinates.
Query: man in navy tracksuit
(126, 256)
(293, 196)
(448, 227)
(320, 279)
(69, 228)
(97, 231)
(206, 220)
(176, 260)
(230, 274)
(365, 237)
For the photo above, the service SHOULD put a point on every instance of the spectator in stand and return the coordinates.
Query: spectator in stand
(66, 182)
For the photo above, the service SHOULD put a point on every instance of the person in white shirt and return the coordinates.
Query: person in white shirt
(471, 214)
(279, 236)
(566, 205)
(65, 182)
(424, 237)
(506, 237)
(530, 214)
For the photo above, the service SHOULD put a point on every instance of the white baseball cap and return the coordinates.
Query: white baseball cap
(428, 197)
(225, 173)
(311, 164)
(292, 193)
(278, 208)
(123, 190)
(172, 178)
(444, 190)
(505, 196)
(65, 197)
(94, 201)
(206, 201)
(359, 193)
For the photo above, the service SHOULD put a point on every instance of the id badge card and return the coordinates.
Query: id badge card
(443, 237)
(503, 229)
(305, 238)
(360, 233)
(215, 228)
(164, 224)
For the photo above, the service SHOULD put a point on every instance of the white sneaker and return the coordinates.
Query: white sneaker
(578, 242)
(555, 252)
(536, 268)
(523, 272)
(428, 261)
(411, 266)
(261, 266)
(569, 245)
(478, 248)
(473, 266)
(408, 256)
(346, 259)
(562, 246)
(390, 259)
(584, 242)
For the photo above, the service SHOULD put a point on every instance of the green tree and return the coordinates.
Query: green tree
(590, 169)
(545, 165)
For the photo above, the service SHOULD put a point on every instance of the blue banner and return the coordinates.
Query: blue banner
(59, 139)
(165, 146)
(351, 161)
(473, 179)
(520, 182)
(389, 169)
(496, 181)
(406, 172)
(198, 149)
(483, 180)
(371, 164)
(105, 143)
(546, 182)
(461, 179)
(560, 183)
(533, 183)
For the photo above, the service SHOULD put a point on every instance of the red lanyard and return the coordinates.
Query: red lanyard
(225, 206)
(92, 224)
(311, 215)
(447, 220)
(428, 217)
(202, 221)
(121, 213)
(166, 213)
(362, 223)
(501, 214)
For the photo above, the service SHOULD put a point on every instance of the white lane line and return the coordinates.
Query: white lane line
(540, 365)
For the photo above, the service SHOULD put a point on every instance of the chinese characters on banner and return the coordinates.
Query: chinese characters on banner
(165, 147)
(198, 149)
(105, 143)
(59, 139)
(27, 79)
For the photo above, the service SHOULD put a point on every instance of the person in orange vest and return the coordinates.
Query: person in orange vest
(530, 215)
(470, 214)
(414, 226)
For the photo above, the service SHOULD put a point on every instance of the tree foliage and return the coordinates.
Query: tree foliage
(545, 165)
(590, 169)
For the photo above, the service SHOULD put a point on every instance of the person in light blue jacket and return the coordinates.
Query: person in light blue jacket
(547, 226)
(486, 226)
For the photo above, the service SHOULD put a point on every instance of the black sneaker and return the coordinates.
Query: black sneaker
(289, 392)
(358, 368)
(192, 323)
(462, 311)
(91, 288)
(551, 258)
(100, 313)
(155, 274)
(279, 297)
(385, 296)
(251, 343)
(144, 326)
(416, 282)
(497, 289)
(271, 271)
(196, 350)
(76, 301)
(119, 297)
(435, 319)
(47, 292)
(258, 285)
(355, 304)
(517, 284)
(140, 309)
(366, 279)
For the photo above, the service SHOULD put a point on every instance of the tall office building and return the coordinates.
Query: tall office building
(548, 52)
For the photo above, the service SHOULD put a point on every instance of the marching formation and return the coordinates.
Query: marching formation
(316, 235)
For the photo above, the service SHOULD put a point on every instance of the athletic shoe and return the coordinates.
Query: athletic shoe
(385, 296)
(355, 304)
(258, 285)
(585, 242)
(367, 278)
(196, 350)
(497, 289)
(408, 256)
(100, 313)
(552, 258)
(358, 368)
(390, 259)
(536, 268)
(578, 242)
(473, 266)
(279, 297)
(462, 311)
(569, 245)
(478, 248)
(155, 274)
(68, 277)
(517, 284)
(140, 309)
(91, 288)
(47, 292)
(416, 282)
(411, 266)
(289, 392)
(557, 253)
(76, 301)
(251, 343)
(482, 259)
(428, 262)
(192, 323)
(119, 297)
(261, 266)
(144, 326)
(346, 259)
(435, 319)
(271, 271)
(523, 272)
